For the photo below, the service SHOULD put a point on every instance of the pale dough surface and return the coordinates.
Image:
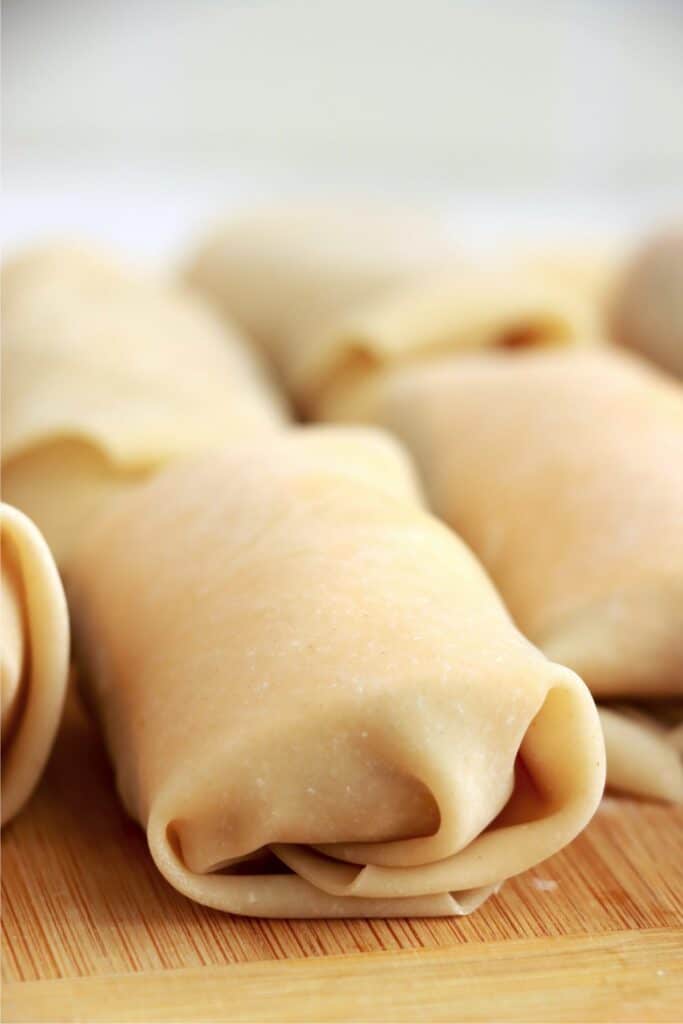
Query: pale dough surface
(284, 271)
(564, 472)
(333, 294)
(643, 755)
(34, 656)
(108, 375)
(308, 286)
(315, 701)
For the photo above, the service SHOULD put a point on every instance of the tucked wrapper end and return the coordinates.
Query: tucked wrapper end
(642, 755)
(314, 700)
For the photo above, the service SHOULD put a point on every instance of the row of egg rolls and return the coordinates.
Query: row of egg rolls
(562, 469)
(315, 702)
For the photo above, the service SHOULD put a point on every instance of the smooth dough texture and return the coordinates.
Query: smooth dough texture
(314, 699)
(334, 295)
(643, 755)
(647, 311)
(564, 473)
(106, 377)
(34, 656)
(590, 267)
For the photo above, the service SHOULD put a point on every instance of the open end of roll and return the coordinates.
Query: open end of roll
(558, 783)
(42, 687)
(332, 778)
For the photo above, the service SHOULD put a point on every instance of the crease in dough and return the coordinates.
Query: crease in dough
(34, 656)
(310, 670)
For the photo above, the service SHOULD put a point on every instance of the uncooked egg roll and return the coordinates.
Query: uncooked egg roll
(564, 473)
(315, 702)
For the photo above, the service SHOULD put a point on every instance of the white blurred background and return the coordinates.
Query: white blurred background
(137, 120)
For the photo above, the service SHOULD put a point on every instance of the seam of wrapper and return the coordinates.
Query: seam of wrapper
(428, 880)
(290, 895)
(361, 335)
(48, 628)
(475, 866)
(387, 744)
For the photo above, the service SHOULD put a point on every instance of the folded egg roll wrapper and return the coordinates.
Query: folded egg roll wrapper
(107, 376)
(564, 473)
(293, 662)
(332, 297)
(34, 656)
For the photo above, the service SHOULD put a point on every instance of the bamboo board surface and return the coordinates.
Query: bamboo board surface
(91, 931)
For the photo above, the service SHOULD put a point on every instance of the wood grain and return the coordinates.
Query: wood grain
(628, 976)
(83, 898)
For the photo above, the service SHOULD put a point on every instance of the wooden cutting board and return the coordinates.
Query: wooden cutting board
(92, 932)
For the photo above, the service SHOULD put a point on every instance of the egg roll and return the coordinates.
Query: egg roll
(333, 296)
(314, 700)
(34, 656)
(107, 376)
(564, 473)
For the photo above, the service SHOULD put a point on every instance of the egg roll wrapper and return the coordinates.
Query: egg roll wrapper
(294, 663)
(34, 656)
